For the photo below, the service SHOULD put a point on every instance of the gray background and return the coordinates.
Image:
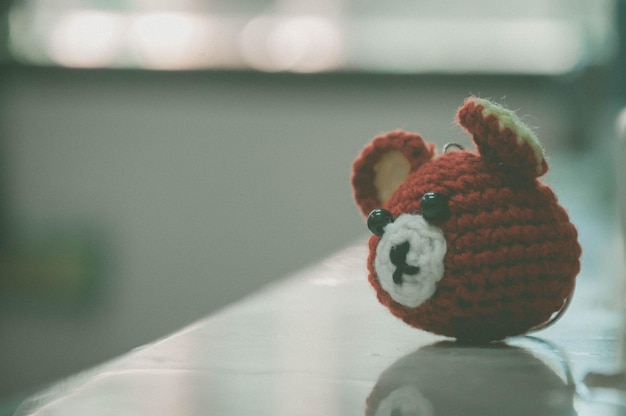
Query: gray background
(183, 192)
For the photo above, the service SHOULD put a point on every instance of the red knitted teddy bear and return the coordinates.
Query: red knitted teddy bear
(467, 245)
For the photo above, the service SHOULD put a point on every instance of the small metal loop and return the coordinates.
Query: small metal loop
(447, 147)
(556, 316)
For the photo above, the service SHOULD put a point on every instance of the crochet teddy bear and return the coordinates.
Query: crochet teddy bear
(467, 245)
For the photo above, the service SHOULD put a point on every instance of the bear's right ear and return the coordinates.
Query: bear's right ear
(385, 164)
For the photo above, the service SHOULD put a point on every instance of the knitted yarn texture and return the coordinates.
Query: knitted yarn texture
(504, 257)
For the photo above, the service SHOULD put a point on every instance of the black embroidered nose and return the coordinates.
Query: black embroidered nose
(397, 255)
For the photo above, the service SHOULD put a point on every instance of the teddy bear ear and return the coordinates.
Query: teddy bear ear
(502, 139)
(385, 164)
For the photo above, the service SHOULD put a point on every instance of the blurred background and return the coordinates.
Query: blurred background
(162, 159)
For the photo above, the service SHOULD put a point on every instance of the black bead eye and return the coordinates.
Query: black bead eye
(434, 207)
(377, 220)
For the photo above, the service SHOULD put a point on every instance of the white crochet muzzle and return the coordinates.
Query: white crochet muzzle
(409, 259)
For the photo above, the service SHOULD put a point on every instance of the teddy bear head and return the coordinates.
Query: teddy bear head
(466, 244)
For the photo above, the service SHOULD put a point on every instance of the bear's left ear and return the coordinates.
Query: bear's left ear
(502, 139)
(385, 164)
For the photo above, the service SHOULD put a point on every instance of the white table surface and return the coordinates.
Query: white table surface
(319, 343)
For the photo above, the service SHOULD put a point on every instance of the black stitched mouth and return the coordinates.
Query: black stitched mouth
(397, 255)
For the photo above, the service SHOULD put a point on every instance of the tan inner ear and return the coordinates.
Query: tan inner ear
(391, 171)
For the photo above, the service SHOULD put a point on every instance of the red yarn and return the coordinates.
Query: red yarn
(512, 253)
(412, 147)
